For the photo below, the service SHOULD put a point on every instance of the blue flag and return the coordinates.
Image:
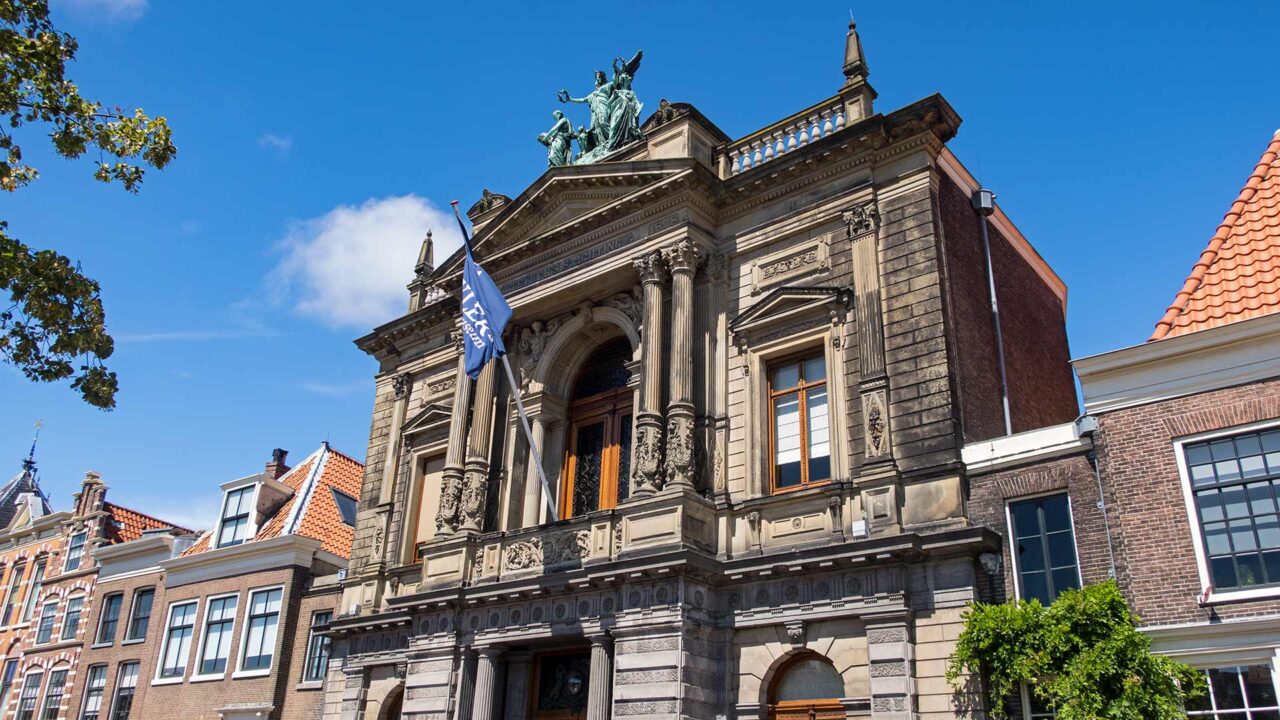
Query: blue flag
(484, 314)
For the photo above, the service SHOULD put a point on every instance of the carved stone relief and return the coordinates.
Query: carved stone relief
(875, 423)
(812, 257)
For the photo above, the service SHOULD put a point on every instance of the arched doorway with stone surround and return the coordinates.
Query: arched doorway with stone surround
(580, 395)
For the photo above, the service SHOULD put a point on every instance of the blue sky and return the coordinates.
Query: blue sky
(319, 140)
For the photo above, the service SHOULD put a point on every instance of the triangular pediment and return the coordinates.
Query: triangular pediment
(431, 417)
(790, 302)
(568, 200)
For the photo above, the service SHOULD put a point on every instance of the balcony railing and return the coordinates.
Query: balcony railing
(787, 135)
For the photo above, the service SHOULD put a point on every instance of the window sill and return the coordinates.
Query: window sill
(207, 678)
(1229, 596)
(310, 685)
(167, 681)
(242, 674)
(100, 645)
(132, 642)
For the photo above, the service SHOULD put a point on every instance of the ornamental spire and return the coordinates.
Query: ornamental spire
(855, 66)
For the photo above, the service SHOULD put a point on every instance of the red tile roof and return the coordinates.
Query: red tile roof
(128, 524)
(320, 518)
(1238, 275)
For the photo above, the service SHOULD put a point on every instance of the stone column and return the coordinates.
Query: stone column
(682, 258)
(646, 475)
(600, 686)
(455, 454)
(401, 385)
(466, 685)
(517, 702)
(475, 484)
(486, 690)
(532, 504)
(892, 656)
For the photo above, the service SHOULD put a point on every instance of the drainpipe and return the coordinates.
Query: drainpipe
(984, 202)
(1087, 425)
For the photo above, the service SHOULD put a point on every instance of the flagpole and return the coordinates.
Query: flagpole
(515, 393)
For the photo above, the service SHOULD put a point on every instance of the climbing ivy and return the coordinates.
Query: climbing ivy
(1083, 655)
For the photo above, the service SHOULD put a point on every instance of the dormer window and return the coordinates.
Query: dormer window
(346, 506)
(234, 527)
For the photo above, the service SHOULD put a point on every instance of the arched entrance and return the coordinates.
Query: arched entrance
(597, 464)
(807, 687)
(390, 707)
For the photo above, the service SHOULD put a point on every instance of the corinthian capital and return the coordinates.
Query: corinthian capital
(682, 256)
(650, 268)
(861, 219)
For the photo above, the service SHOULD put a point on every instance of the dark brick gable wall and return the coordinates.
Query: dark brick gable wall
(1037, 358)
(1135, 447)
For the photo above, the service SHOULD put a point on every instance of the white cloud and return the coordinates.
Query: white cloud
(280, 143)
(349, 267)
(113, 10)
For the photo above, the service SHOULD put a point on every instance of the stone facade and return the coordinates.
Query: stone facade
(837, 234)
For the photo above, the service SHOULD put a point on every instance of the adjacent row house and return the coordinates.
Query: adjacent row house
(1168, 483)
(117, 614)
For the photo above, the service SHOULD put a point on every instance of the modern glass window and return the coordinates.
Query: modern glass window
(1045, 547)
(6, 683)
(800, 432)
(1233, 481)
(317, 648)
(53, 695)
(260, 629)
(177, 640)
(234, 527)
(30, 693)
(71, 618)
(126, 683)
(597, 470)
(219, 622)
(75, 552)
(110, 618)
(346, 506)
(93, 689)
(11, 595)
(44, 630)
(140, 614)
(1237, 693)
(33, 591)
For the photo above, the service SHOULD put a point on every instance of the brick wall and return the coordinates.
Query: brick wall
(305, 701)
(1037, 359)
(1149, 513)
(1074, 475)
(119, 651)
(200, 700)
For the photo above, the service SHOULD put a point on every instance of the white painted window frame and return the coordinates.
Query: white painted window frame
(158, 679)
(1193, 519)
(253, 512)
(1013, 537)
(244, 633)
(196, 675)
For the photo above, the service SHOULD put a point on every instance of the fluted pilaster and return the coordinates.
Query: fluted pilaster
(465, 698)
(484, 702)
(682, 258)
(517, 702)
(447, 519)
(647, 475)
(476, 477)
(600, 687)
(532, 504)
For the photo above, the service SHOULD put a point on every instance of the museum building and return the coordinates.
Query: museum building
(750, 368)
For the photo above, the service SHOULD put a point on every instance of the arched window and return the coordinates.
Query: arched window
(806, 688)
(598, 447)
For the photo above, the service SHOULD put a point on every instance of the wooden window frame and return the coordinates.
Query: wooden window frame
(801, 390)
(610, 406)
(828, 709)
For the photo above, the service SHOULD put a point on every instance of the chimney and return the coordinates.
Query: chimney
(277, 467)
